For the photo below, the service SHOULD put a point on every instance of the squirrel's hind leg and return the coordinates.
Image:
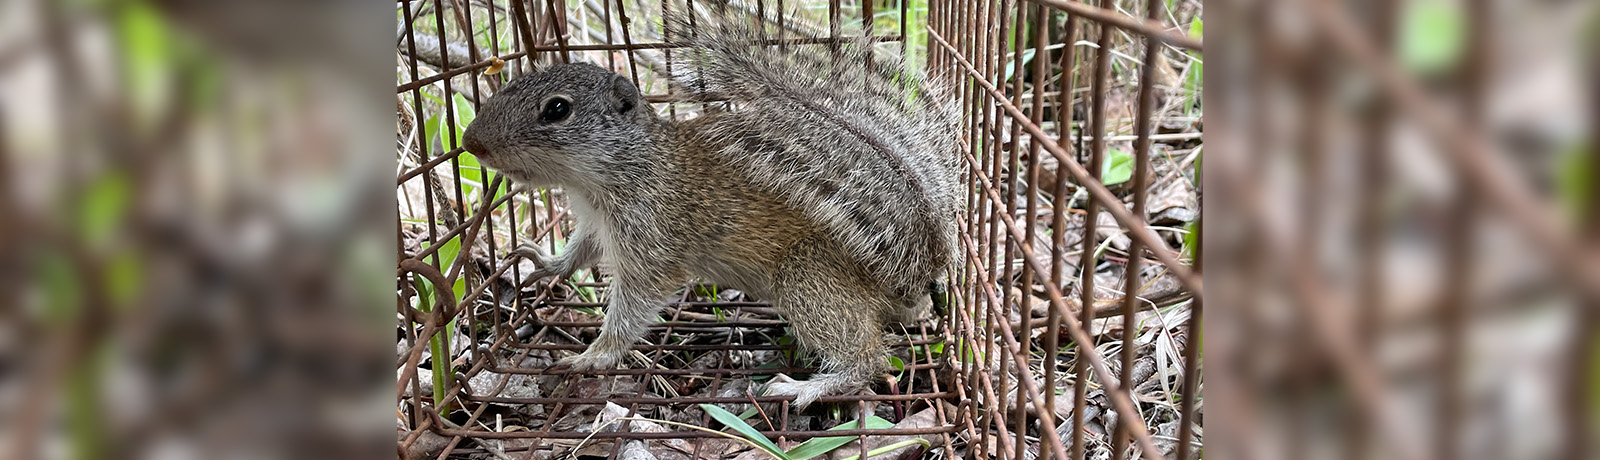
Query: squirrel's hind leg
(834, 311)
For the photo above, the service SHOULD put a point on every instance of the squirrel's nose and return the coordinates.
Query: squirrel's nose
(474, 143)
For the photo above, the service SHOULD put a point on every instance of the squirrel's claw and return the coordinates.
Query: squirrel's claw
(532, 252)
(541, 260)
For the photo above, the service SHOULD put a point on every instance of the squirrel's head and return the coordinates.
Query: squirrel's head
(559, 125)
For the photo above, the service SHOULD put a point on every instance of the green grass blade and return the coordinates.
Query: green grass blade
(819, 446)
(733, 421)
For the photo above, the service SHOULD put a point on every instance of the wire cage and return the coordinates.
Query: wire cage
(1045, 233)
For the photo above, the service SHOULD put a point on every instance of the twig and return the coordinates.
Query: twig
(757, 405)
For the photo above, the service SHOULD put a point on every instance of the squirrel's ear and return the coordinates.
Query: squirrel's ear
(625, 93)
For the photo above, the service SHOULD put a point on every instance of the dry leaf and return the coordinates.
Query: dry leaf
(1174, 203)
(1109, 228)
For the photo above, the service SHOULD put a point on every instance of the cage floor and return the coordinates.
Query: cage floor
(703, 351)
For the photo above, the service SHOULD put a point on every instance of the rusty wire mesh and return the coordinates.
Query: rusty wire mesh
(971, 376)
(1014, 134)
(1401, 276)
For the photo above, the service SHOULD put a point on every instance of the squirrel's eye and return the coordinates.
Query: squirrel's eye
(556, 109)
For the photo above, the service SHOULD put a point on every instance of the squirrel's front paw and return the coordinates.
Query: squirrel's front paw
(592, 359)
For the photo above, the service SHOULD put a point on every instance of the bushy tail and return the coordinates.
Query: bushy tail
(864, 145)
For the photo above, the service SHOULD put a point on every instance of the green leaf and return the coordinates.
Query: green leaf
(451, 249)
(424, 294)
(460, 288)
(1191, 240)
(1432, 35)
(1573, 179)
(447, 256)
(439, 346)
(1197, 159)
(63, 293)
(124, 277)
(749, 432)
(751, 412)
(970, 354)
(464, 114)
(1196, 70)
(85, 406)
(470, 168)
(936, 349)
(147, 50)
(1011, 67)
(105, 203)
(897, 363)
(430, 128)
(819, 446)
(1118, 168)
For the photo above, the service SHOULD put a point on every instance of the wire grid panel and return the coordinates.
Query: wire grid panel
(504, 333)
(1018, 68)
(1320, 313)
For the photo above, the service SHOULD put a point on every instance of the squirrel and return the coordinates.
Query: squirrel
(828, 187)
